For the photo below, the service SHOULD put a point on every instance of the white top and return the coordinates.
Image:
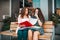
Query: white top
(20, 20)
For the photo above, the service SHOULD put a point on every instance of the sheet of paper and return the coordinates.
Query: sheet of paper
(36, 27)
(33, 21)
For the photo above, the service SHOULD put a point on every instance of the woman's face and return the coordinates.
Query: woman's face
(36, 11)
(26, 11)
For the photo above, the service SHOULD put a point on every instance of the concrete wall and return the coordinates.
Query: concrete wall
(15, 8)
(4, 8)
(44, 8)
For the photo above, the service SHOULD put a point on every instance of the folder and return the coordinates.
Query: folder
(26, 23)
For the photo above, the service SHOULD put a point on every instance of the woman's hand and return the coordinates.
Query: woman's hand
(36, 15)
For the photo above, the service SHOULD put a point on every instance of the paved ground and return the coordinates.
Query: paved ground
(57, 31)
(57, 37)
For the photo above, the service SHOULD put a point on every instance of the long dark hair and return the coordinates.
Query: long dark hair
(23, 12)
(40, 15)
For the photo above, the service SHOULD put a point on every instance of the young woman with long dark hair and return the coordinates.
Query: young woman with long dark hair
(33, 33)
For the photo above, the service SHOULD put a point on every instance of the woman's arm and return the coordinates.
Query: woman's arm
(39, 22)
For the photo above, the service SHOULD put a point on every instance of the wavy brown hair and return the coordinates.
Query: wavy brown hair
(23, 12)
(40, 15)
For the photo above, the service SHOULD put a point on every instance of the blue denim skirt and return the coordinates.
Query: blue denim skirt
(41, 30)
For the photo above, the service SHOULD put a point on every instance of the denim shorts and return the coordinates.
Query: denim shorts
(38, 29)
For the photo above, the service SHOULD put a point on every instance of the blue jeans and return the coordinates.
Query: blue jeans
(22, 34)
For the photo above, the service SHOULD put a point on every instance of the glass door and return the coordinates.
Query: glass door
(36, 3)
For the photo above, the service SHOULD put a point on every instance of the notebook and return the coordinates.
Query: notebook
(26, 23)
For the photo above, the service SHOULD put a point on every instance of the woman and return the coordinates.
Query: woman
(33, 33)
(22, 31)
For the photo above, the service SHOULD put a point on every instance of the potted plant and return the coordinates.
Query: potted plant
(56, 19)
(6, 23)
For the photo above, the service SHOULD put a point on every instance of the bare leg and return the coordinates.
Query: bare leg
(30, 35)
(36, 34)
